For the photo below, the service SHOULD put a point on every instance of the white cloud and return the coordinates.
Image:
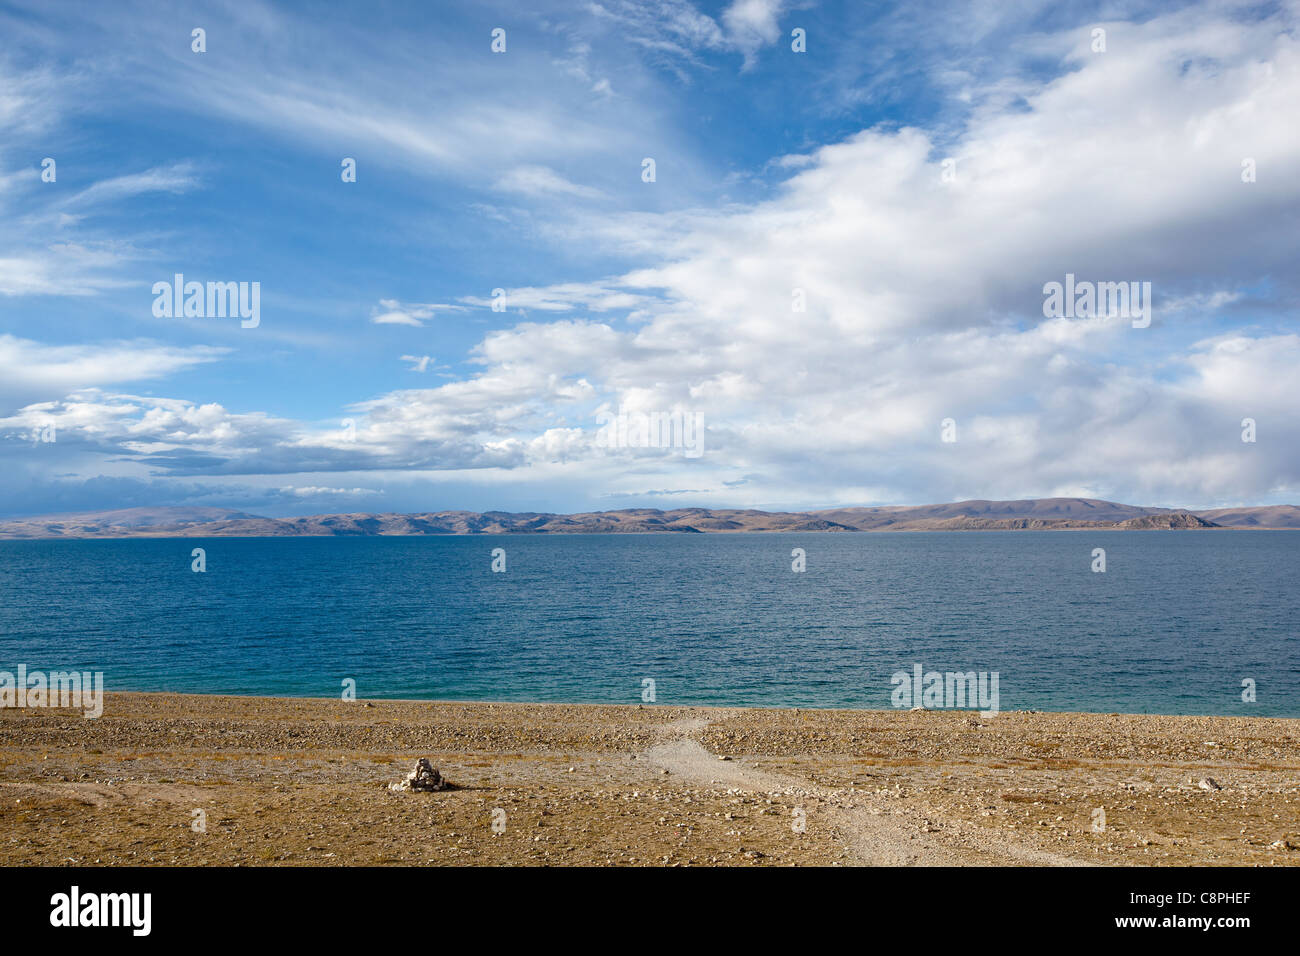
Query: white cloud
(537, 181)
(924, 302)
(175, 178)
(752, 24)
(419, 363)
(393, 312)
(64, 268)
(33, 367)
(316, 491)
(567, 297)
(677, 29)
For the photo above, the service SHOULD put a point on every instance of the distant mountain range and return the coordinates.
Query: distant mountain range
(1034, 514)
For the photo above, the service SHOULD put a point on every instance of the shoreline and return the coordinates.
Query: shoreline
(685, 705)
(305, 781)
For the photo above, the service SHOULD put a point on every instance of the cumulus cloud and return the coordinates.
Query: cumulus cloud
(892, 280)
(752, 24)
(924, 292)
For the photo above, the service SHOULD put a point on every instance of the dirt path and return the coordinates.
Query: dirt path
(874, 835)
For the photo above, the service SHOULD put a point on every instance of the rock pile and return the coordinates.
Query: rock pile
(423, 778)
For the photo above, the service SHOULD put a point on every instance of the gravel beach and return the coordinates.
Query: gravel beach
(168, 779)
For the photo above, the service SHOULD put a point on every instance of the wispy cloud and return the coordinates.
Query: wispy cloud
(24, 362)
(419, 363)
(175, 178)
(540, 181)
(414, 314)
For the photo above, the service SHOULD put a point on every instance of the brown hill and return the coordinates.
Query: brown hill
(1025, 515)
(1269, 516)
(1034, 509)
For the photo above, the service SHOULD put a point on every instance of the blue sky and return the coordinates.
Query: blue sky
(522, 170)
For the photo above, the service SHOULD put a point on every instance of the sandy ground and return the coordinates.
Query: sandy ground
(305, 782)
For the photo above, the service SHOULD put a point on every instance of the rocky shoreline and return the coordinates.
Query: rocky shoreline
(195, 780)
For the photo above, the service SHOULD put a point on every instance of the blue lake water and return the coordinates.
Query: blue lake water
(1174, 625)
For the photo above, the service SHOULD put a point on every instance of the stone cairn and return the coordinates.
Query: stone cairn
(422, 778)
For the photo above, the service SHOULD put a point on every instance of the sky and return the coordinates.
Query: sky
(838, 269)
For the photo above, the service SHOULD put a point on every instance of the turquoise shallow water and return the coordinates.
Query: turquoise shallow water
(1174, 625)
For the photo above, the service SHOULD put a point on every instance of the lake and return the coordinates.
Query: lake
(1175, 624)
